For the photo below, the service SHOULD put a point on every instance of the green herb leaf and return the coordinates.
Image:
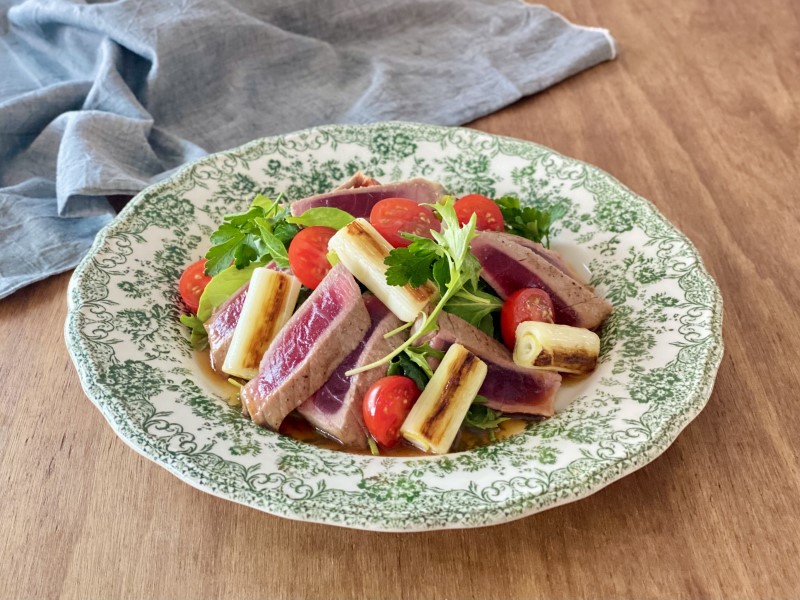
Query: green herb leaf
(475, 307)
(261, 201)
(220, 256)
(426, 350)
(240, 219)
(325, 216)
(285, 232)
(199, 337)
(528, 222)
(480, 416)
(402, 364)
(245, 253)
(274, 246)
(259, 234)
(408, 267)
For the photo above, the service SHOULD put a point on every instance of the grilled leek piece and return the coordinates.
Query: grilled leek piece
(270, 302)
(434, 420)
(362, 250)
(556, 347)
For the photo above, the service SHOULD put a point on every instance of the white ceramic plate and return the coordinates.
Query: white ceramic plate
(660, 348)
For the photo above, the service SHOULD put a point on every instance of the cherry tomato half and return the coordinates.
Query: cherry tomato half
(386, 405)
(308, 255)
(489, 217)
(527, 304)
(192, 283)
(393, 215)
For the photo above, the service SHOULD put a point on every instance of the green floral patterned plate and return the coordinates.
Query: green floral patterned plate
(660, 348)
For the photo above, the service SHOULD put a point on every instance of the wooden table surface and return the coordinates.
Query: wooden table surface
(699, 113)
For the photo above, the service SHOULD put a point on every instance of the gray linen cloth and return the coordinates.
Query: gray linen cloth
(99, 99)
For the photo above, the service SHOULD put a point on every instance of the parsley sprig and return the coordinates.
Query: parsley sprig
(446, 260)
(259, 234)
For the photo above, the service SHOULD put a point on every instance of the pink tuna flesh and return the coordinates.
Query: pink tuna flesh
(359, 201)
(319, 336)
(336, 407)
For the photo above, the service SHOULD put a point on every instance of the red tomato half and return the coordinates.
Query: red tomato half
(393, 215)
(308, 255)
(387, 405)
(489, 217)
(527, 304)
(192, 283)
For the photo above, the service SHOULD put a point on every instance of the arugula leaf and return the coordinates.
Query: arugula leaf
(403, 365)
(274, 246)
(221, 255)
(426, 350)
(285, 232)
(325, 216)
(480, 416)
(475, 307)
(528, 222)
(419, 356)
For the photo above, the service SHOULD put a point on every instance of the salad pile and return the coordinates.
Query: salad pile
(388, 320)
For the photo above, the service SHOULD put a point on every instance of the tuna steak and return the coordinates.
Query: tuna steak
(335, 408)
(358, 180)
(508, 266)
(508, 387)
(358, 201)
(551, 256)
(321, 334)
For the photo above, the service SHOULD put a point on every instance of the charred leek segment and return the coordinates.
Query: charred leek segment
(269, 304)
(362, 250)
(556, 347)
(434, 420)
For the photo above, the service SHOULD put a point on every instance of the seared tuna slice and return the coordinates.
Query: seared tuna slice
(508, 266)
(335, 408)
(551, 256)
(359, 201)
(508, 387)
(358, 180)
(321, 334)
(221, 324)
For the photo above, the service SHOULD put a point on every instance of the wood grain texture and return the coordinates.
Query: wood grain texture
(699, 113)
